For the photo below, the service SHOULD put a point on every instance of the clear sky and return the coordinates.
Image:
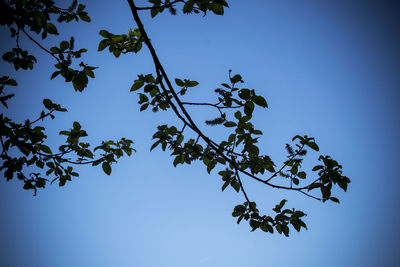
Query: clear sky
(329, 69)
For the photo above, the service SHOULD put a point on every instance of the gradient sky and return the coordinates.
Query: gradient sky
(329, 69)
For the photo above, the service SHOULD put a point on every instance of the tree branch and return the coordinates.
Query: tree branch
(161, 74)
(38, 44)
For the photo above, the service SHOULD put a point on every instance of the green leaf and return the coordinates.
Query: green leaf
(282, 203)
(318, 167)
(235, 185)
(254, 224)
(62, 182)
(225, 85)
(40, 164)
(154, 12)
(106, 168)
(244, 94)
(218, 9)
(102, 45)
(137, 85)
(302, 175)
(230, 124)
(76, 125)
(64, 133)
(117, 52)
(334, 199)
(80, 8)
(240, 208)
(253, 150)
(89, 73)
(104, 33)
(293, 170)
(279, 228)
(313, 145)
(47, 103)
(144, 106)
(231, 138)
(55, 74)
(236, 78)
(180, 139)
(343, 185)
(11, 82)
(85, 18)
(54, 50)
(192, 83)
(45, 149)
(64, 45)
(238, 115)
(225, 185)
(206, 161)
(211, 166)
(51, 28)
(259, 100)
(298, 137)
(179, 82)
(177, 160)
(248, 108)
(80, 82)
(285, 230)
(8, 56)
(222, 2)
(155, 145)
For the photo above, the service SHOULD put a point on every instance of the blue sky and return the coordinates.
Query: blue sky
(329, 69)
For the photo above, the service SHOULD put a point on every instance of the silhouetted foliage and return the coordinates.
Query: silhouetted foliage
(236, 156)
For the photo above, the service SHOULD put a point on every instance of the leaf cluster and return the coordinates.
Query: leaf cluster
(188, 7)
(280, 222)
(121, 43)
(25, 153)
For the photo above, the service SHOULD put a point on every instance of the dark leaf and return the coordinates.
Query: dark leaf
(179, 82)
(248, 108)
(235, 184)
(236, 78)
(192, 83)
(8, 56)
(137, 85)
(47, 103)
(102, 45)
(64, 45)
(229, 124)
(334, 199)
(106, 167)
(218, 9)
(51, 28)
(259, 100)
(313, 145)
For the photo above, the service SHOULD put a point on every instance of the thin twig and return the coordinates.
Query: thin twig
(164, 6)
(243, 191)
(209, 104)
(287, 162)
(38, 44)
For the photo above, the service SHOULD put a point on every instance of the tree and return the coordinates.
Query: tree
(24, 149)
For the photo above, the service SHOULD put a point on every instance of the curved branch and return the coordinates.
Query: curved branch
(162, 75)
(38, 44)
